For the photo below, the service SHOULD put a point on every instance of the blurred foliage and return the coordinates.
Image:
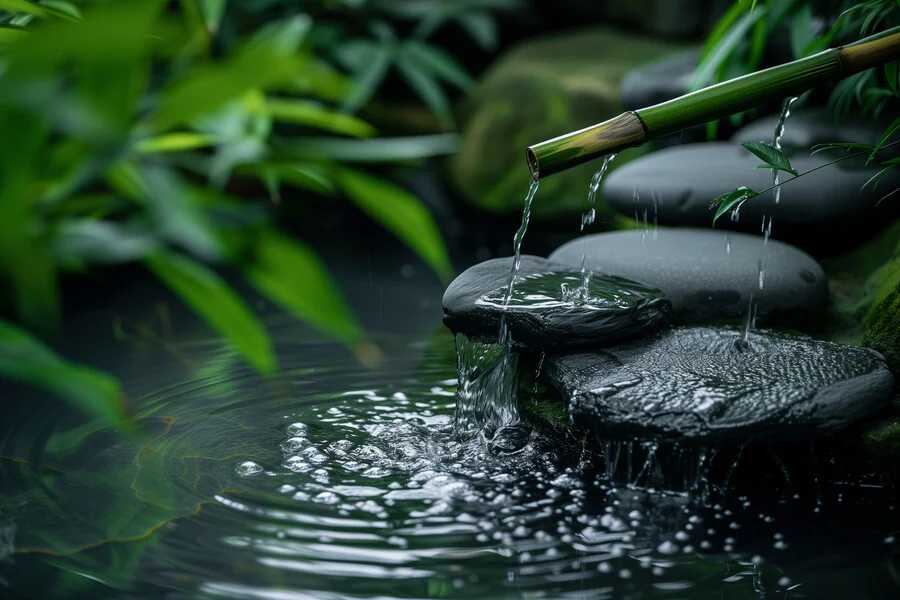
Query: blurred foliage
(745, 34)
(738, 43)
(126, 123)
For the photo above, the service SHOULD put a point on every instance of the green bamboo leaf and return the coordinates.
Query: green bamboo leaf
(207, 88)
(722, 27)
(178, 141)
(724, 48)
(11, 35)
(892, 76)
(376, 150)
(313, 114)
(217, 304)
(212, 11)
(772, 156)
(290, 274)
(426, 88)
(179, 213)
(481, 27)
(368, 62)
(309, 176)
(802, 30)
(62, 10)
(891, 130)
(25, 359)
(438, 62)
(840, 146)
(91, 241)
(23, 7)
(400, 213)
(730, 201)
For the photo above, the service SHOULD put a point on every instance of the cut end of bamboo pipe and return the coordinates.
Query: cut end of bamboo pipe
(579, 147)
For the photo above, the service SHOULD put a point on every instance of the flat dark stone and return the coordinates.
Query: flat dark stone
(706, 273)
(692, 384)
(541, 315)
(676, 185)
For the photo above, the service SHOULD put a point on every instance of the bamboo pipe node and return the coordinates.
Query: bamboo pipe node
(709, 104)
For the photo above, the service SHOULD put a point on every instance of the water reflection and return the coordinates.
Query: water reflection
(340, 482)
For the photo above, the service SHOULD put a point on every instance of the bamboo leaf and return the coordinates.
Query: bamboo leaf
(772, 156)
(25, 359)
(892, 76)
(179, 213)
(62, 10)
(313, 114)
(840, 146)
(267, 62)
(23, 7)
(724, 48)
(426, 88)
(290, 274)
(310, 176)
(178, 141)
(891, 130)
(730, 201)
(95, 241)
(400, 213)
(438, 62)
(212, 11)
(217, 304)
(481, 27)
(368, 63)
(376, 150)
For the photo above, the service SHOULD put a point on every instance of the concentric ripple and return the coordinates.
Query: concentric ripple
(337, 481)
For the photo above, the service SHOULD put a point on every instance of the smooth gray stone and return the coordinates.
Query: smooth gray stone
(693, 384)
(808, 127)
(659, 81)
(706, 273)
(676, 185)
(540, 316)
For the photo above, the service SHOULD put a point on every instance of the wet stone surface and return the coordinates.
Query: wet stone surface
(677, 184)
(707, 274)
(702, 384)
(548, 308)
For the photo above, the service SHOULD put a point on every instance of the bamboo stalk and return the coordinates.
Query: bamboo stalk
(709, 104)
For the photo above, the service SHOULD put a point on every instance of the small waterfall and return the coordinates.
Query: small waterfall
(486, 391)
(588, 219)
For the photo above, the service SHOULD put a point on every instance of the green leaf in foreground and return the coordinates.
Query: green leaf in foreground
(25, 359)
(772, 156)
(313, 114)
(399, 212)
(216, 303)
(730, 201)
(290, 274)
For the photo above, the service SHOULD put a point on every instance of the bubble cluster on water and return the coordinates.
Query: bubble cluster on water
(390, 467)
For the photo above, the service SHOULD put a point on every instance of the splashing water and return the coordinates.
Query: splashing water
(588, 219)
(486, 399)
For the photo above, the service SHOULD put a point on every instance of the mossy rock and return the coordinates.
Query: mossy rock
(882, 321)
(539, 90)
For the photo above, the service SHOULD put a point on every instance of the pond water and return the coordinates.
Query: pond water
(340, 481)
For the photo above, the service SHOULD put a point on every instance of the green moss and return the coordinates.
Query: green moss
(540, 90)
(549, 409)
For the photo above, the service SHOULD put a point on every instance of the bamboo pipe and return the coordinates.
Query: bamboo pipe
(634, 128)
